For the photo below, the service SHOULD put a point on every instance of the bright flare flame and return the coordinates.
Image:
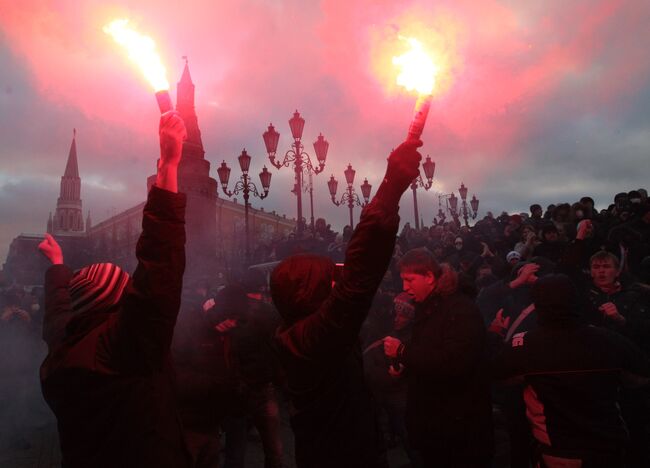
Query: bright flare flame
(141, 50)
(417, 71)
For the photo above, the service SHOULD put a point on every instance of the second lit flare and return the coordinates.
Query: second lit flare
(417, 73)
(141, 50)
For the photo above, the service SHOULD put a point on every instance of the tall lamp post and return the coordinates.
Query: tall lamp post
(298, 157)
(466, 212)
(441, 213)
(429, 169)
(473, 210)
(350, 196)
(246, 186)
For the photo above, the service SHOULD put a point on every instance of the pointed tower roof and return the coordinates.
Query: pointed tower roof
(185, 77)
(71, 167)
(193, 146)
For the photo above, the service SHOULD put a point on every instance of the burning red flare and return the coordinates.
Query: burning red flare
(417, 73)
(141, 50)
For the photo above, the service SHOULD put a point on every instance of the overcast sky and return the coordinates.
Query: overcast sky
(541, 101)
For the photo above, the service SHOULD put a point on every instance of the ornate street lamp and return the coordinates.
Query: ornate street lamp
(350, 196)
(246, 186)
(365, 191)
(473, 210)
(450, 206)
(429, 169)
(474, 204)
(453, 203)
(300, 160)
(463, 210)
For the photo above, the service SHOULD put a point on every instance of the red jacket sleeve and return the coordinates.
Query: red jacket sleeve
(335, 326)
(58, 308)
(143, 329)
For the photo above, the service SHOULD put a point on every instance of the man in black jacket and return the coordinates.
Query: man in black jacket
(331, 412)
(449, 412)
(107, 375)
(572, 375)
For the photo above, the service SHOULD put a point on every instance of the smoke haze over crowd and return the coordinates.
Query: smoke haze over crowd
(547, 101)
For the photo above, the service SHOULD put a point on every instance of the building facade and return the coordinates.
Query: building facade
(214, 226)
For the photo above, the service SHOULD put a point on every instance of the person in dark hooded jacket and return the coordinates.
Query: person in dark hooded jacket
(107, 376)
(572, 375)
(332, 414)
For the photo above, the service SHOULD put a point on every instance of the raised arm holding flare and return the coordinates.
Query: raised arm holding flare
(107, 375)
(332, 417)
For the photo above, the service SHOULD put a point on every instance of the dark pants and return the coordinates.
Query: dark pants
(394, 405)
(521, 441)
(635, 406)
(260, 406)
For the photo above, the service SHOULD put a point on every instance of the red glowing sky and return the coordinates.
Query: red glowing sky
(531, 83)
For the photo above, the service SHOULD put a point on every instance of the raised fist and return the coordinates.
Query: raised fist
(172, 132)
(403, 164)
(51, 249)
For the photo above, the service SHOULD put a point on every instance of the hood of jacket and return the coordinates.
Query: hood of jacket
(300, 284)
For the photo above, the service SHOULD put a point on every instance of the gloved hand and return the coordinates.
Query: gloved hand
(403, 165)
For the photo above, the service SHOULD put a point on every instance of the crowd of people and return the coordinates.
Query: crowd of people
(534, 324)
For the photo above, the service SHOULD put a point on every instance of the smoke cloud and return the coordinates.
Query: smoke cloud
(538, 95)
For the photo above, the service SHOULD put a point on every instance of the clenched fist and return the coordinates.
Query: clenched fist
(51, 249)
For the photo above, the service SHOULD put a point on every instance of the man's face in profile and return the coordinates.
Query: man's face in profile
(418, 286)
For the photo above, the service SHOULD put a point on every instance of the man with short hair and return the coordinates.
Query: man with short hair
(624, 309)
(107, 376)
(536, 220)
(449, 412)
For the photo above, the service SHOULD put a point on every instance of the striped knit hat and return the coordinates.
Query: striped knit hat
(98, 286)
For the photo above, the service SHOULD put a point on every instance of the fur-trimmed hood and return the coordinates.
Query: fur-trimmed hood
(447, 283)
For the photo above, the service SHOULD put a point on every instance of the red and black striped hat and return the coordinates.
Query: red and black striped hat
(98, 286)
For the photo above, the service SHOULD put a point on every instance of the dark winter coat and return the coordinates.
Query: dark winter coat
(572, 375)
(449, 412)
(633, 303)
(108, 377)
(332, 415)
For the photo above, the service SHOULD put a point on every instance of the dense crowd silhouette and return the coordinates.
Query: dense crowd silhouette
(520, 341)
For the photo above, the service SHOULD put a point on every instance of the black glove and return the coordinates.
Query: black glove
(403, 165)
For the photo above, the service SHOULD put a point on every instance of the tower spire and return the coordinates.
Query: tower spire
(67, 217)
(185, 77)
(193, 146)
(72, 167)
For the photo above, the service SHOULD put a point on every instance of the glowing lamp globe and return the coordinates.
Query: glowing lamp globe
(297, 124)
(265, 179)
(349, 174)
(321, 145)
(429, 168)
(332, 185)
(224, 174)
(271, 139)
(244, 161)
